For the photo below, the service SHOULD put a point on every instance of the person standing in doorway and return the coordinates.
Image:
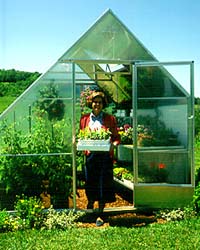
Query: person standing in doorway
(99, 165)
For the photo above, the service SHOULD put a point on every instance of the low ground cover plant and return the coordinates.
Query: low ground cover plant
(29, 213)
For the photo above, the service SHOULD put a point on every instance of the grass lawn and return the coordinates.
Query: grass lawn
(5, 101)
(172, 235)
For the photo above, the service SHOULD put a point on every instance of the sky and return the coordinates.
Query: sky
(34, 34)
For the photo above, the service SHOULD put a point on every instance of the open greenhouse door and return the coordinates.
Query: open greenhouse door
(164, 163)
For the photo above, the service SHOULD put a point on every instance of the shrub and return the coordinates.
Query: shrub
(10, 222)
(196, 198)
(29, 210)
(4, 216)
(61, 219)
(176, 214)
(49, 102)
(30, 214)
(22, 172)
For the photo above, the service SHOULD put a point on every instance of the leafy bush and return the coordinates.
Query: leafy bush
(10, 222)
(176, 214)
(196, 198)
(197, 119)
(49, 102)
(29, 210)
(4, 216)
(197, 158)
(61, 219)
(30, 214)
(22, 172)
(14, 82)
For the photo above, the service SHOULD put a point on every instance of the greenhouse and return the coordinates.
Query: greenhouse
(152, 101)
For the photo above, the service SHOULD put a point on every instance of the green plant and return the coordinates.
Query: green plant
(176, 214)
(35, 156)
(50, 102)
(61, 219)
(197, 158)
(155, 172)
(29, 210)
(151, 131)
(196, 198)
(96, 134)
(162, 136)
(28, 214)
(123, 173)
(197, 118)
(126, 134)
(10, 222)
(145, 135)
(4, 217)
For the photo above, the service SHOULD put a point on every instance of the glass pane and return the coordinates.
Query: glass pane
(36, 141)
(164, 166)
(182, 75)
(162, 122)
(162, 127)
(158, 82)
(115, 42)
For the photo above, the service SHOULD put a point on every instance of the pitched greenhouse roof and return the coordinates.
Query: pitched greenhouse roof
(108, 40)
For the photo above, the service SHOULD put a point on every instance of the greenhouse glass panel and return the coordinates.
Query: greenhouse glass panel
(108, 39)
(165, 129)
(36, 140)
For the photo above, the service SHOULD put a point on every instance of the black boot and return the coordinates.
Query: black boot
(90, 204)
(100, 219)
(101, 207)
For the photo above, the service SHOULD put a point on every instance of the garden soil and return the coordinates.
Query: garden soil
(123, 218)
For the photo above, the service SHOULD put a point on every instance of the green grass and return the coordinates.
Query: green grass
(5, 101)
(172, 235)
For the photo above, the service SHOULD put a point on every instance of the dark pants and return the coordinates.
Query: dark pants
(99, 177)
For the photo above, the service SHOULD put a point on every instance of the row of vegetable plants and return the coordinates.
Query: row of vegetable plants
(29, 158)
